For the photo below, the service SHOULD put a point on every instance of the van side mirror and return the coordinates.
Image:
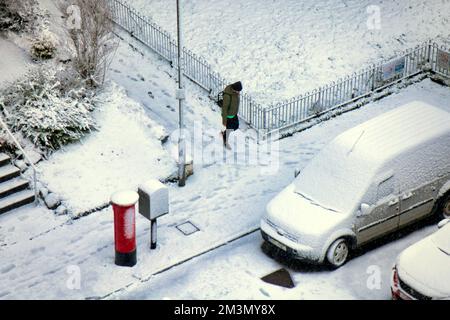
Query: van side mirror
(297, 172)
(364, 209)
(442, 223)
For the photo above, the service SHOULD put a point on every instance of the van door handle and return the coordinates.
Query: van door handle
(407, 196)
(393, 202)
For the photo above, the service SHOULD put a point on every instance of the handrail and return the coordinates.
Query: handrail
(26, 157)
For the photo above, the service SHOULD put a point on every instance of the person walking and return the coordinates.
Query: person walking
(230, 109)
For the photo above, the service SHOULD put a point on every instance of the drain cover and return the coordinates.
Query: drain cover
(280, 278)
(187, 228)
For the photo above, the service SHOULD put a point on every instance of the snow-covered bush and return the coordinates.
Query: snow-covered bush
(44, 47)
(17, 15)
(48, 107)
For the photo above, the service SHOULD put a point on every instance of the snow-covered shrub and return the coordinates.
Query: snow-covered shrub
(17, 15)
(47, 108)
(44, 47)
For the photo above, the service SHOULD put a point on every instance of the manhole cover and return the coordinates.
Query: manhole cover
(187, 228)
(280, 278)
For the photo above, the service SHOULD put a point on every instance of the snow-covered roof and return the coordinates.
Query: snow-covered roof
(395, 132)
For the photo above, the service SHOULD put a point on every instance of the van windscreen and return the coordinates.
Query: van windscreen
(335, 179)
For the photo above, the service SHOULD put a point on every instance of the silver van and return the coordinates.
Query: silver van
(369, 181)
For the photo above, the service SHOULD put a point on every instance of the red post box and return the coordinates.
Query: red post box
(123, 203)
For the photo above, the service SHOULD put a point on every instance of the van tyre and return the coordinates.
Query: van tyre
(338, 252)
(445, 207)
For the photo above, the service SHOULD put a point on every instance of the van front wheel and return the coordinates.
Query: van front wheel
(338, 253)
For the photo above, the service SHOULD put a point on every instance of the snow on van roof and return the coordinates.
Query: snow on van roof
(339, 175)
(396, 131)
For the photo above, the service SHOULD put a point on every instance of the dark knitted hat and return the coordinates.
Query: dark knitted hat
(237, 86)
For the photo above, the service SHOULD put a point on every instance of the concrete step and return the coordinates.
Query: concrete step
(16, 200)
(4, 159)
(8, 172)
(12, 186)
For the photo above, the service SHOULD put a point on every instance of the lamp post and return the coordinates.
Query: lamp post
(181, 96)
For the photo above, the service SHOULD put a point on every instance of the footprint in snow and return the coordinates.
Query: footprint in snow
(167, 94)
(264, 292)
(34, 284)
(195, 198)
(36, 250)
(7, 268)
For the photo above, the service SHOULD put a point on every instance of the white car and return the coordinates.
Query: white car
(422, 270)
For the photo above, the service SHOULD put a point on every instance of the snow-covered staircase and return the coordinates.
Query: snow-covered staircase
(14, 190)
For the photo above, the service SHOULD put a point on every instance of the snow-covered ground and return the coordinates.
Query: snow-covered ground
(222, 200)
(281, 49)
(234, 272)
(150, 81)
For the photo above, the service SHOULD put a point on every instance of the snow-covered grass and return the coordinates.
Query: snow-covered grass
(222, 200)
(281, 49)
(125, 151)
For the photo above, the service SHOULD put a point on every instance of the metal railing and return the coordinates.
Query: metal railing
(196, 68)
(285, 115)
(25, 156)
(348, 89)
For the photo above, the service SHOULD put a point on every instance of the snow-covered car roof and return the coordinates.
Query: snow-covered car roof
(352, 159)
(394, 132)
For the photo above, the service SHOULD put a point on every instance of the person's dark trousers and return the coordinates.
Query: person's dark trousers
(232, 124)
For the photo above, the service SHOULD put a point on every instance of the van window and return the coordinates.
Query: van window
(385, 188)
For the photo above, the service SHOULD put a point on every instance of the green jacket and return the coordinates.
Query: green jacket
(231, 101)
